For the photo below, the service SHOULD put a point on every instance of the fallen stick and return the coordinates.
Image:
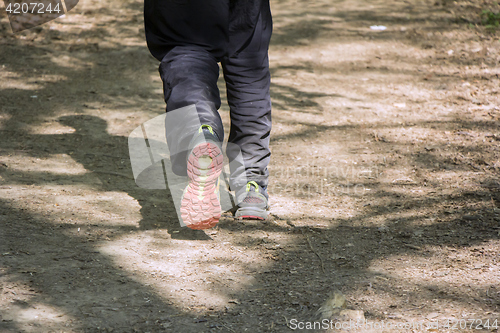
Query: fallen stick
(315, 252)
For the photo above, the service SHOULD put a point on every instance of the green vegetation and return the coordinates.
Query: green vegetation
(490, 19)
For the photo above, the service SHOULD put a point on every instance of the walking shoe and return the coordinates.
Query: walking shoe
(200, 203)
(253, 203)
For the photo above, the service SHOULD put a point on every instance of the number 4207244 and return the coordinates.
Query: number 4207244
(32, 8)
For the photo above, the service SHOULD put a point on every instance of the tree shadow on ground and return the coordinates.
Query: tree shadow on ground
(68, 272)
(64, 273)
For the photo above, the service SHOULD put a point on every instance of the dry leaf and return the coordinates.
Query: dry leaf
(333, 305)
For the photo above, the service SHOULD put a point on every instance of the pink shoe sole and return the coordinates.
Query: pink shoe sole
(251, 217)
(200, 205)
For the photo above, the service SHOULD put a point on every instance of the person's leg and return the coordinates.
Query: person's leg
(189, 76)
(246, 72)
(189, 38)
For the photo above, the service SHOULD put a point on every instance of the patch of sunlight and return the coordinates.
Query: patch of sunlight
(187, 273)
(39, 312)
(62, 164)
(296, 206)
(4, 117)
(435, 271)
(50, 127)
(285, 129)
(11, 80)
(156, 78)
(31, 317)
(69, 62)
(328, 52)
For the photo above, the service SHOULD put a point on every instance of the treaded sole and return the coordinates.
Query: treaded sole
(251, 214)
(200, 205)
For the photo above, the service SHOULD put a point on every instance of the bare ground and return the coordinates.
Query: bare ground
(385, 177)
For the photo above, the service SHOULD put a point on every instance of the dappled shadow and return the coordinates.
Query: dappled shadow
(80, 88)
(325, 21)
(301, 32)
(63, 268)
(65, 274)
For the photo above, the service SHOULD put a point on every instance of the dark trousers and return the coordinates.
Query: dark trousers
(190, 38)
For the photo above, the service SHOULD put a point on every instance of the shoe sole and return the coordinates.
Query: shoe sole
(251, 214)
(200, 205)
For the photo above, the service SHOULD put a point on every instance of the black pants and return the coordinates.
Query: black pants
(190, 38)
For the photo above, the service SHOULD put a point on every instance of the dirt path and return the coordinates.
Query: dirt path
(385, 178)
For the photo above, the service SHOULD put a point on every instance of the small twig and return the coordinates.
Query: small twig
(287, 323)
(411, 246)
(229, 328)
(315, 252)
(418, 307)
(276, 216)
(331, 246)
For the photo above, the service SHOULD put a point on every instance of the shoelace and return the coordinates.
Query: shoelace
(210, 129)
(255, 185)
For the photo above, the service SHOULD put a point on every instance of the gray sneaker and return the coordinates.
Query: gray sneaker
(252, 203)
